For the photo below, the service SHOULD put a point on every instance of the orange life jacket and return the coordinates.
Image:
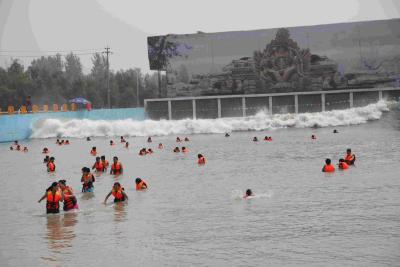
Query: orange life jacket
(185, 150)
(51, 167)
(69, 199)
(116, 167)
(349, 159)
(343, 165)
(202, 160)
(93, 152)
(99, 166)
(105, 164)
(329, 168)
(118, 194)
(53, 200)
(142, 185)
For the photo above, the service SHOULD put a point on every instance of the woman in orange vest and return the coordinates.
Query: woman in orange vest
(116, 167)
(350, 158)
(201, 159)
(105, 162)
(118, 192)
(70, 201)
(140, 184)
(98, 165)
(87, 180)
(93, 152)
(328, 167)
(51, 167)
(343, 165)
(53, 195)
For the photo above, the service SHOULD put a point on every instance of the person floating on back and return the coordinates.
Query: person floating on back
(342, 165)
(98, 165)
(53, 195)
(105, 162)
(140, 184)
(93, 152)
(328, 167)
(87, 180)
(349, 158)
(118, 193)
(249, 193)
(201, 159)
(116, 167)
(51, 166)
(70, 201)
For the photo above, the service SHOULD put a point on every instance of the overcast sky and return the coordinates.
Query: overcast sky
(28, 27)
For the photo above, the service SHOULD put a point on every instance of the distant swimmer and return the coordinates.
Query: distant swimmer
(67, 142)
(269, 139)
(51, 166)
(349, 158)
(149, 140)
(255, 139)
(176, 150)
(45, 150)
(127, 145)
(328, 167)
(58, 142)
(70, 201)
(112, 143)
(118, 193)
(227, 135)
(313, 137)
(18, 148)
(88, 139)
(105, 162)
(87, 180)
(25, 149)
(16, 143)
(186, 139)
(342, 165)
(93, 152)
(142, 152)
(53, 196)
(123, 139)
(178, 139)
(160, 146)
(249, 193)
(201, 159)
(46, 159)
(149, 151)
(98, 165)
(140, 184)
(63, 142)
(335, 131)
(116, 167)
(185, 149)
(11, 148)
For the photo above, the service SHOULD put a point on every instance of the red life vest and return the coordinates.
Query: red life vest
(349, 159)
(93, 152)
(69, 199)
(329, 168)
(140, 186)
(99, 166)
(51, 167)
(105, 164)
(53, 200)
(119, 196)
(343, 165)
(116, 167)
(202, 160)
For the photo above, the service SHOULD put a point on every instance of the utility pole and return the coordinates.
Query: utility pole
(107, 52)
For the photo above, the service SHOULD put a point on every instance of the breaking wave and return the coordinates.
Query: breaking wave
(261, 121)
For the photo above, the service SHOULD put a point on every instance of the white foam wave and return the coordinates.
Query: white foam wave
(261, 121)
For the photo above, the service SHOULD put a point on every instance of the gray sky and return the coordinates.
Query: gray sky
(28, 27)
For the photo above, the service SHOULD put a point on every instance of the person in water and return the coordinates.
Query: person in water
(45, 150)
(178, 139)
(149, 151)
(88, 139)
(265, 138)
(116, 167)
(105, 162)
(87, 180)
(142, 152)
(46, 159)
(313, 137)
(18, 148)
(127, 145)
(67, 142)
(342, 165)
(185, 150)
(51, 166)
(98, 165)
(186, 139)
(58, 141)
(93, 152)
(70, 201)
(11, 148)
(335, 131)
(53, 196)
(255, 139)
(149, 140)
(176, 150)
(160, 146)
(249, 193)
(123, 139)
(349, 158)
(16, 143)
(118, 192)
(227, 135)
(25, 149)
(328, 167)
(140, 184)
(201, 159)
(111, 143)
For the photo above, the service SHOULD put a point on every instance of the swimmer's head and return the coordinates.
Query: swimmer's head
(115, 159)
(103, 157)
(199, 155)
(117, 185)
(249, 192)
(341, 160)
(328, 161)
(52, 159)
(138, 180)
(348, 151)
(94, 148)
(97, 159)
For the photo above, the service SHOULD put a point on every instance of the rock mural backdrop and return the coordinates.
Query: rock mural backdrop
(323, 57)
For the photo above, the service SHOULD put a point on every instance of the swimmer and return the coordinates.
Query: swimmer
(93, 152)
(249, 193)
(255, 139)
(149, 140)
(127, 145)
(160, 146)
(343, 165)
(88, 139)
(349, 158)
(67, 142)
(201, 159)
(178, 140)
(11, 148)
(186, 139)
(105, 162)
(98, 165)
(70, 201)
(53, 195)
(123, 139)
(269, 138)
(62, 142)
(25, 149)
(45, 150)
(140, 184)
(328, 167)
(46, 159)
(265, 138)
(116, 167)
(335, 131)
(176, 150)
(149, 151)
(58, 141)
(313, 137)
(112, 143)
(227, 135)
(185, 150)
(51, 167)
(142, 152)
(16, 143)
(118, 192)
(18, 148)
(87, 180)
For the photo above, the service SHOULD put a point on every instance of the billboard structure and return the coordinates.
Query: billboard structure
(313, 58)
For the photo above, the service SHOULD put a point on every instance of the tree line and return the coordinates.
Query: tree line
(57, 79)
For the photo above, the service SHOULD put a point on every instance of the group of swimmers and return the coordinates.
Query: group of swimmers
(343, 164)
(266, 138)
(62, 142)
(17, 147)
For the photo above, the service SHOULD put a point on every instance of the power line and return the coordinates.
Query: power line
(49, 51)
(33, 56)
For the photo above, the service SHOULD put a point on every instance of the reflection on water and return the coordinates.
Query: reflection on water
(119, 212)
(87, 195)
